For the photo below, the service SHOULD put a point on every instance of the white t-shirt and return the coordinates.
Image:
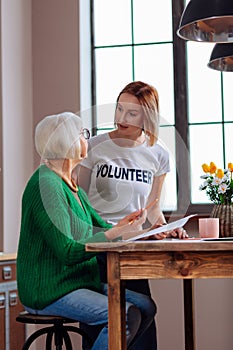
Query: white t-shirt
(122, 177)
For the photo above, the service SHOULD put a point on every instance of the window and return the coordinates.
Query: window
(210, 118)
(136, 40)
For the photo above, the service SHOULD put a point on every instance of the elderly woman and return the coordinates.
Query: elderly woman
(56, 276)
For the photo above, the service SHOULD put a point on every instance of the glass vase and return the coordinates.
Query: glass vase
(225, 214)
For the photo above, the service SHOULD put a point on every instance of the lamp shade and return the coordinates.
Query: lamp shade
(222, 58)
(207, 20)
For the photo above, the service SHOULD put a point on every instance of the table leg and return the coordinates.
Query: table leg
(116, 304)
(188, 314)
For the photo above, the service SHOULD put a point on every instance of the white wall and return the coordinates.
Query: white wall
(17, 112)
(55, 54)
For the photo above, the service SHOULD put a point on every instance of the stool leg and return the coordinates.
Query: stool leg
(34, 336)
(61, 334)
(58, 336)
(67, 339)
(49, 339)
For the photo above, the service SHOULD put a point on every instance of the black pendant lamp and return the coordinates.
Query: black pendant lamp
(207, 20)
(222, 58)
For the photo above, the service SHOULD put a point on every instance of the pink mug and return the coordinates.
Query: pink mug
(209, 227)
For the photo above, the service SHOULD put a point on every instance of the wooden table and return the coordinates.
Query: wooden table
(186, 259)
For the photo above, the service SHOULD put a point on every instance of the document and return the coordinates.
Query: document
(171, 226)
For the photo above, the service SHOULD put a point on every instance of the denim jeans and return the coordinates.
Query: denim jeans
(91, 307)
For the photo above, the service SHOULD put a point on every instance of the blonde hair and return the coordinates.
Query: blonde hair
(148, 98)
(57, 136)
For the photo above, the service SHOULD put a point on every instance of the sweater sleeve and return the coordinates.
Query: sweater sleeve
(56, 219)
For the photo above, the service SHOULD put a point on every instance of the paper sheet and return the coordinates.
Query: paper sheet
(171, 226)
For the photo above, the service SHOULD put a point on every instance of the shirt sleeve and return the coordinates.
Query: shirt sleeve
(163, 162)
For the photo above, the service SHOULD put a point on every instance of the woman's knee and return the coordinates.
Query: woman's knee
(151, 308)
(143, 302)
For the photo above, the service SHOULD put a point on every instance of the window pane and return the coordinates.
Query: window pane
(204, 85)
(169, 197)
(113, 72)
(228, 88)
(229, 142)
(105, 115)
(152, 23)
(154, 65)
(112, 22)
(205, 147)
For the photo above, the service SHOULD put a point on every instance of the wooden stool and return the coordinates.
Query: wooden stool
(58, 329)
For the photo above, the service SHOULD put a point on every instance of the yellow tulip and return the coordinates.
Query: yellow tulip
(220, 173)
(205, 168)
(230, 167)
(213, 168)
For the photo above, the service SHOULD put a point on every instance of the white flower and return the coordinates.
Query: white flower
(205, 176)
(226, 178)
(203, 185)
(217, 181)
(222, 188)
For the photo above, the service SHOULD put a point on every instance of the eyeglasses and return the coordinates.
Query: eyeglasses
(85, 133)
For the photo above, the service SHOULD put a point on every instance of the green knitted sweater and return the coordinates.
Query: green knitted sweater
(51, 259)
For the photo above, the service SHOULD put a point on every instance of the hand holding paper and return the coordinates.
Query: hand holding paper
(169, 227)
(147, 207)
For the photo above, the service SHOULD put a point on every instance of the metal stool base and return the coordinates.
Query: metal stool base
(58, 330)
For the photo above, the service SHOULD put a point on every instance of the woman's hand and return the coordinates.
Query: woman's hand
(177, 233)
(129, 226)
(158, 236)
(131, 218)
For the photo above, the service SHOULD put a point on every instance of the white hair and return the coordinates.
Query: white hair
(57, 136)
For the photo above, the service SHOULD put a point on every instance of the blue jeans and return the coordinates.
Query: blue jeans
(91, 307)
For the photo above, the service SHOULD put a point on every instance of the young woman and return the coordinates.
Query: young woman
(125, 170)
(55, 275)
